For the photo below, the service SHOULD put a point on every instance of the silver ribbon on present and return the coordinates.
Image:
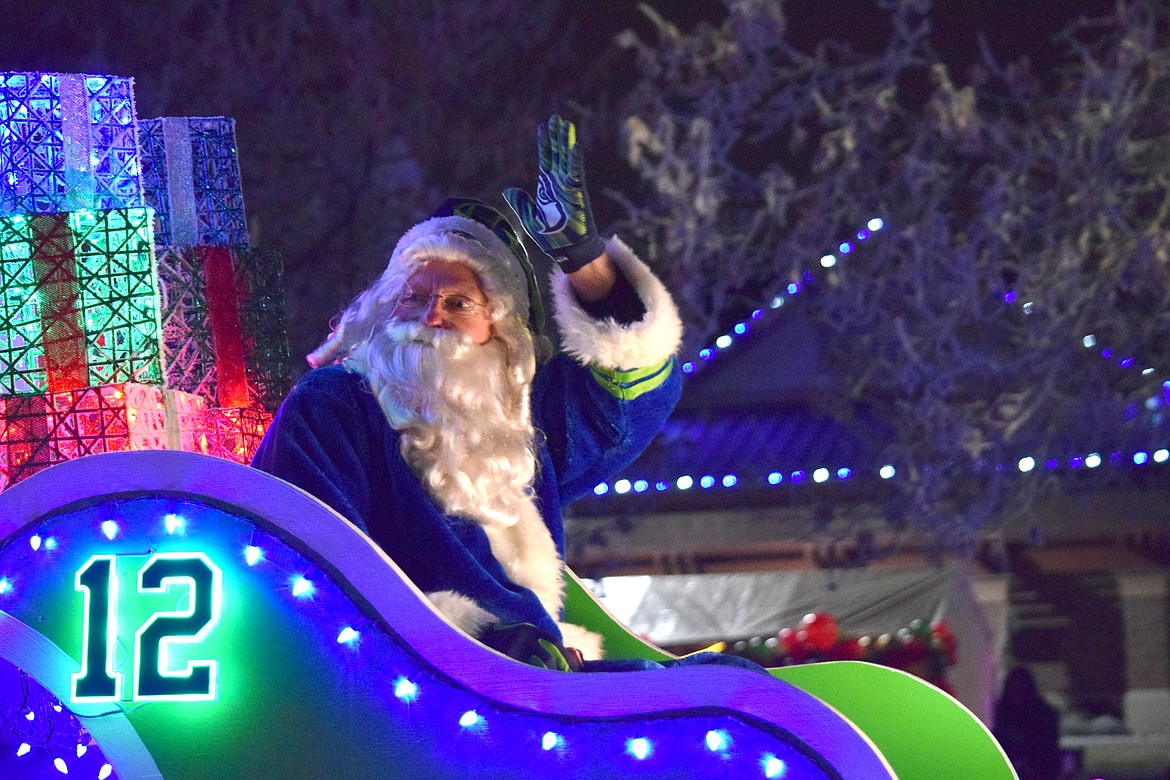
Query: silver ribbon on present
(77, 143)
(184, 216)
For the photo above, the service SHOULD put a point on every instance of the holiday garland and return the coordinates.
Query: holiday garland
(924, 648)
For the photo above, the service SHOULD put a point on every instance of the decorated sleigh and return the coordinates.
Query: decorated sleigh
(167, 614)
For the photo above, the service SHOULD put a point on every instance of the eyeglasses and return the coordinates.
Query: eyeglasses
(451, 304)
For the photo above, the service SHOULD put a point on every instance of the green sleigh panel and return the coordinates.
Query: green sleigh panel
(164, 614)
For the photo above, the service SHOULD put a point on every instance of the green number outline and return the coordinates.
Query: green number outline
(153, 680)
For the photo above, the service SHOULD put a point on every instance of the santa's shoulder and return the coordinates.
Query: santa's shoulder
(330, 382)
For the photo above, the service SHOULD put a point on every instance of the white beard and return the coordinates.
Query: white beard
(467, 434)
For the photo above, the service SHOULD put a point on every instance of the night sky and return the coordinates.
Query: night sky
(43, 35)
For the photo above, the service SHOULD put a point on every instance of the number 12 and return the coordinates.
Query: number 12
(153, 680)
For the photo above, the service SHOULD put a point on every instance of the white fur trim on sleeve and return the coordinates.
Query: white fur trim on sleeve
(604, 342)
(468, 617)
(588, 642)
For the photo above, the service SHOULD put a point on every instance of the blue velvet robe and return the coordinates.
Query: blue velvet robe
(331, 439)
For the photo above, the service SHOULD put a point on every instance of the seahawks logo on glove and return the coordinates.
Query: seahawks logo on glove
(559, 218)
(551, 214)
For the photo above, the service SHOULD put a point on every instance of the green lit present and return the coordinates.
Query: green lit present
(78, 301)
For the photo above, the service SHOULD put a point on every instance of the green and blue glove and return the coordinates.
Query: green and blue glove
(526, 643)
(559, 220)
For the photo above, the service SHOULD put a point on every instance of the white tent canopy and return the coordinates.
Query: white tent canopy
(702, 608)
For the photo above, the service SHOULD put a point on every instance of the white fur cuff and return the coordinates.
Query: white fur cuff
(468, 617)
(607, 344)
(588, 642)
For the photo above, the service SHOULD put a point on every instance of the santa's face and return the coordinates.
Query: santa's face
(446, 295)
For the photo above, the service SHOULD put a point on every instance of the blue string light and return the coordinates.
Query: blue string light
(741, 329)
(822, 475)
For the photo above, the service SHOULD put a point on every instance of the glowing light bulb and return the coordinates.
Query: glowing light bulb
(175, 524)
(301, 587)
(723, 342)
(845, 248)
(717, 740)
(106, 771)
(1092, 460)
(730, 480)
(622, 486)
(405, 690)
(640, 486)
(887, 472)
(24, 749)
(828, 261)
(109, 529)
(550, 740)
(773, 767)
(775, 478)
(470, 719)
(684, 483)
(82, 750)
(777, 302)
(740, 328)
(875, 224)
(706, 481)
(61, 766)
(35, 542)
(1161, 456)
(601, 489)
(640, 748)
(253, 555)
(1026, 464)
(821, 475)
(844, 472)
(5, 585)
(347, 635)
(1140, 458)
(30, 716)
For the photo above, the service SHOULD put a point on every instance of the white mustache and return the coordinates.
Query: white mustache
(449, 343)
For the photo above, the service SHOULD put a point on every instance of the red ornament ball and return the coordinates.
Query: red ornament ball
(819, 631)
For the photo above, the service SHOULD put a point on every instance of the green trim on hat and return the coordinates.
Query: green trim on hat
(495, 221)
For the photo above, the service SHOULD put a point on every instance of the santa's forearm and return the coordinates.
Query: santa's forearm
(593, 281)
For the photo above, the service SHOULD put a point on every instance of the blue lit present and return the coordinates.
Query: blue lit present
(67, 142)
(191, 177)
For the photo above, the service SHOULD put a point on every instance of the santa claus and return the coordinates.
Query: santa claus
(436, 421)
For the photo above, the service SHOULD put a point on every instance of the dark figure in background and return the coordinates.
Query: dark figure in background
(1028, 727)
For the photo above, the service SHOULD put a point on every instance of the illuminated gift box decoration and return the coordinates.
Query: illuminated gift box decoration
(234, 433)
(78, 301)
(186, 421)
(67, 142)
(224, 324)
(41, 430)
(265, 327)
(191, 176)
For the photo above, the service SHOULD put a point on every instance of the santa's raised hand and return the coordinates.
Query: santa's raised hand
(559, 218)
